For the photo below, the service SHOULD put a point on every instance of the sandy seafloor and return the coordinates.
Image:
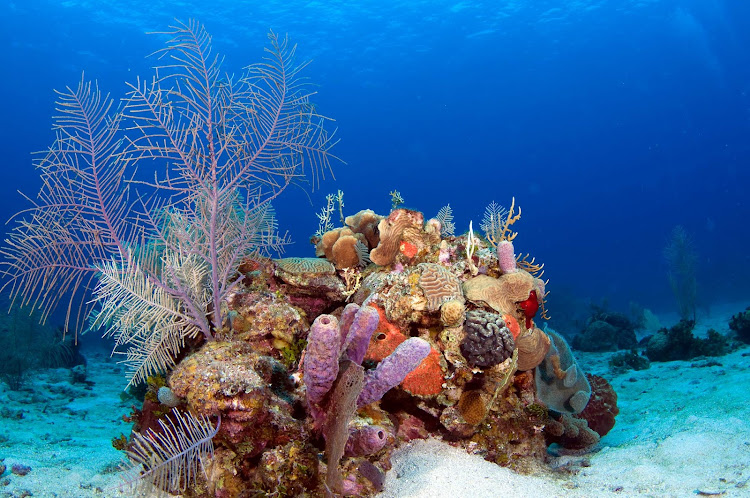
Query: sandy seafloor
(683, 430)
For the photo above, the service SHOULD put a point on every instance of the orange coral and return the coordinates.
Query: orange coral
(512, 324)
(385, 338)
(408, 249)
(427, 379)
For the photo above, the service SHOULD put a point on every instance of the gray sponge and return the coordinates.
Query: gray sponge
(560, 382)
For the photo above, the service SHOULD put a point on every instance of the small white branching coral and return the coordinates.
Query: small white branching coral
(445, 217)
(167, 462)
(324, 216)
(493, 222)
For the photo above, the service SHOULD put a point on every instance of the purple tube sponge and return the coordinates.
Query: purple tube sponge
(366, 440)
(322, 357)
(506, 257)
(358, 337)
(345, 324)
(393, 369)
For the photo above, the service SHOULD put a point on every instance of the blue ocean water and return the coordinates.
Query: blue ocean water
(610, 121)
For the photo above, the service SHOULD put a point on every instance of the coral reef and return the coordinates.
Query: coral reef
(740, 323)
(425, 347)
(679, 343)
(606, 331)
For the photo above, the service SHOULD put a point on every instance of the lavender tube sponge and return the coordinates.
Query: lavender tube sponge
(393, 369)
(322, 357)
(358, 338)
(345, 324)
(506, 257)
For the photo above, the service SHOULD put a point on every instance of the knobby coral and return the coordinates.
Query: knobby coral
(487, 341)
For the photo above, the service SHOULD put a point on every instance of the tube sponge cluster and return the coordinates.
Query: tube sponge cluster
(331, 340)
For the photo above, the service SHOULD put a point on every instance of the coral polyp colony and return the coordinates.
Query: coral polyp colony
(325, 365)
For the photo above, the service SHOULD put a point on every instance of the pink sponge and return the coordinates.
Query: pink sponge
(506, 258)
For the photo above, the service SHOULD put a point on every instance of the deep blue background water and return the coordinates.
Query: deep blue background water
(609, 121)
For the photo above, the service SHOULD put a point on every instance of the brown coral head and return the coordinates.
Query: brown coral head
(452, 313)
(533, 346)
(366, 223)
(391, 230)
(472, 407)
(324, 244)
(344, 252)
(500, 294)
(483, 289)
(439, 285)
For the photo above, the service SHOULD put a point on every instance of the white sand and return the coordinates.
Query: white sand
(65, 432)
(683, 427)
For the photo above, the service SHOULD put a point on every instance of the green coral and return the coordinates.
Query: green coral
(538, 411)
(290, 355)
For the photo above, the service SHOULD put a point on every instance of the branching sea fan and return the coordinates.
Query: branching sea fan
(161, 256)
